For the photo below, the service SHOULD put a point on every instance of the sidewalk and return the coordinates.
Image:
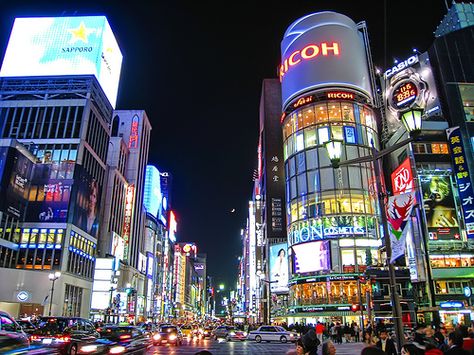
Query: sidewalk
(349, 348)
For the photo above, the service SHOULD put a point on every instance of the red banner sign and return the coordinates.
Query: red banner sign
(402, 178)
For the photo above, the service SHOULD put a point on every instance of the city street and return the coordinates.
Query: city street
(246, 347)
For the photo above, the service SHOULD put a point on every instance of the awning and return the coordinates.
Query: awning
(325, 314)
(456, 273)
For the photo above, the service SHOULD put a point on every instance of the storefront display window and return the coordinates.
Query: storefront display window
(321, 112)
(334, 110)
(308, 116)
(348, 113)
(442, 261)
(310, 137)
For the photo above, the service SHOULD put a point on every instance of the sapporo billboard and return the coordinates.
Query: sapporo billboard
(319, 50)
(82, 45)
(440, 209)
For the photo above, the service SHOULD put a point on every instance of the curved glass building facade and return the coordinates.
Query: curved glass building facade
(333, 231)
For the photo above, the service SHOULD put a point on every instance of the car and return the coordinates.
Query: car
(117, 339)
(206, 332)
(12, 337)
(229, 333)
(64, 334)
(187, 331)
(272, 333)
(168, 334)
(27, 326)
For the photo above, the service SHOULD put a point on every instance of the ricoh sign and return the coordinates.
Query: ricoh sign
(323, 50)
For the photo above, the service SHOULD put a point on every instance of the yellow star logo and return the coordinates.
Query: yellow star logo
(80, 34)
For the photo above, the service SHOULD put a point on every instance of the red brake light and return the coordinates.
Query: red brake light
(34, 337)
(125, 336)
(64, 338)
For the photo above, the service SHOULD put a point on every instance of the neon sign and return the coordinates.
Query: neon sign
(307, 53)
(312, 233)
(173, 227)
(400, 66)
(133, 139)
(127, 221)
(340, 95)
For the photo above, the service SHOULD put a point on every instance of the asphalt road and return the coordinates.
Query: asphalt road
(245, 347)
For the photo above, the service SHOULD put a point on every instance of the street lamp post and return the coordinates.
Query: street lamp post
(52, 277)
(412, 122)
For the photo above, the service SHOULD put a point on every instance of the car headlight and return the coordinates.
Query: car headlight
(117, 350)
(291, 335)
(172, 337)
(156, 337)
(232, 333)
(245, 334)
(88, 348)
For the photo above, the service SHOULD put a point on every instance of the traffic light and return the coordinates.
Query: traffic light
(355, 307)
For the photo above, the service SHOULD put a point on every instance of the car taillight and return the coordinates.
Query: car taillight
(63, 338)
(172, 337)
(34, 338)
(125, 336)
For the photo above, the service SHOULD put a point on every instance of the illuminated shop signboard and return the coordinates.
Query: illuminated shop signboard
(133, 139)
(173, 227)
(340, 95)
(309, 52)
(452, 304)
(464, 181)
(311, 233)
(323, 49)
(402, 178)
(79, 45)
(400, 66)
(128, 217)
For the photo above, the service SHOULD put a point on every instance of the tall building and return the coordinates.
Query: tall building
(327, 85)
(59, 105)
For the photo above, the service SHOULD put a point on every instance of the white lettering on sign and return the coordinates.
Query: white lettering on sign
(400, 66)
(311, 233)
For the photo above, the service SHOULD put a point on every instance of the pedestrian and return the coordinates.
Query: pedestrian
(320, 331)
(368, 338)
(411, 349)
(356, 333)
(385, 343)
(371, 350)
(347, 333)
(328, 348)
(455, 343)
(430, 349)
(307, 344)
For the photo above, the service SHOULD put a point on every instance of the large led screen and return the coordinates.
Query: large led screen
(320, 50)
(279, 267)
(311, 257)
(83, 45)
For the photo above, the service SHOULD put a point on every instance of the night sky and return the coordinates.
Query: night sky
(196, 68)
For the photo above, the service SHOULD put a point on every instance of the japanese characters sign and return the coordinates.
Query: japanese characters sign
(464, 182)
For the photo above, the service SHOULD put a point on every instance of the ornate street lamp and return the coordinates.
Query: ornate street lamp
(52, 277)
(334, 148)
(411, 119)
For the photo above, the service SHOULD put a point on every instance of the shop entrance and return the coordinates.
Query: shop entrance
(31, 310)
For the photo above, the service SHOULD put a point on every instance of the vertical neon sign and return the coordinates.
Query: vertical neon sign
(128, 217)
(133, 139)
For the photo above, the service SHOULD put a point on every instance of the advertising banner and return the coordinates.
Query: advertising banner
(118, 246)
(16, 181)
(279, 267)
(86, 207)
(399, 217)
(440, 210)
(311, 257)
(79, 45)
(402, 178)
(463, 179)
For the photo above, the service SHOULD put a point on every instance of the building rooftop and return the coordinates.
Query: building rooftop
(459, 16)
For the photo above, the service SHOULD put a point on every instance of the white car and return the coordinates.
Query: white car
(272, 333)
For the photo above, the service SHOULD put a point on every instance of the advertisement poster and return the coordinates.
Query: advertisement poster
(49, 197)
(279, 267)
(461, 172)
(398, 217)
(440, 210)
(118, 246)
(86, 209)
(311, 257)
(16, 195)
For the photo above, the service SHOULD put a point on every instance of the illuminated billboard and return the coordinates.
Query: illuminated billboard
(440, 210)
(320, 50)
(152, 196)
(279, 267)
(408, 84)
(311, 257)
(82, 45)
(173, 227)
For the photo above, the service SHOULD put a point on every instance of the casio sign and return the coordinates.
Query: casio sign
(400, 66)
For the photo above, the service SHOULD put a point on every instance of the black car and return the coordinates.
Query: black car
(118, 340)
(64, 334)
(168, 334)
(12, 337)
(27, 326)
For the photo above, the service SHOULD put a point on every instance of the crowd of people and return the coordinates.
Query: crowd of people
(426, 340)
